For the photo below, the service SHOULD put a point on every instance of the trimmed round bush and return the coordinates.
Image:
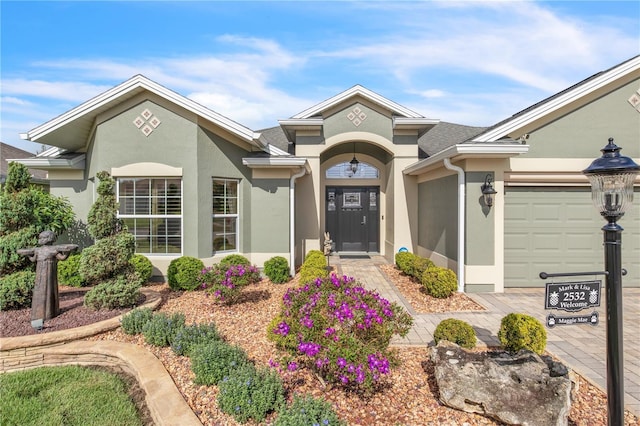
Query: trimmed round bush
(521, 331)
(69, 271)
(226, 282)
(183, 273)
(122, 291)
(134, 321)
(404, 262)
(308, 411)
(188, 337)
(314, 267)
(250, 393)
(277, 269)
(455, 331)
(235, 259)
(214, 360)
(421, 264)
(16, 290)
(143, 266)
(439, 282)
(161, 329)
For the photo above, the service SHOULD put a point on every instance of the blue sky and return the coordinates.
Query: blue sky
(470, 62)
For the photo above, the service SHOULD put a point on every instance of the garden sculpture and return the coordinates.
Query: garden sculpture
(327, 244)
(45, 303)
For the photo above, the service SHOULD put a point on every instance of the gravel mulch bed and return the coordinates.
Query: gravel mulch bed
(409, 397)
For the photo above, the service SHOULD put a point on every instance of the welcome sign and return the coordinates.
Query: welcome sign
(573, 296)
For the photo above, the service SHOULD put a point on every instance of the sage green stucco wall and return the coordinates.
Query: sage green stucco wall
(374, 122)
(269, 216)
(222, 159)
(480, 226)
(202, 154)
(437, 213)
(80, 195)
(583, 132)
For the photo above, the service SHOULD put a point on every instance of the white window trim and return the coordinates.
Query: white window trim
(133, 216)
(236, 216)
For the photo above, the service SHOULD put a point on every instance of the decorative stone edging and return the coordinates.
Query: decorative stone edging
(64, 347)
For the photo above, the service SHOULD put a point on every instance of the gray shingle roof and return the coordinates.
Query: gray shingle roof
(443, 135)
(8, 152)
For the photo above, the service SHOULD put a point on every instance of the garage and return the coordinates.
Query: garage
(558, 230)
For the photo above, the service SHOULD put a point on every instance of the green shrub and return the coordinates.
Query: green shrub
(340, 330)
(456, 331)
(314, 254)
(439, 282)
(68, 271)
(235, 259)
(122, 291)
(184, 272)
(250, 393)
(103, 218)
(404, 262)
(161, 329)
(226, 282)
(521, 331)
(16, 290)
(107, 258)
(143, 266)
(134, 321)
(10, 260)
(277, 269)
(191, 335)
(421, 264)
(214, 360)
(308, 411)
(314, 267)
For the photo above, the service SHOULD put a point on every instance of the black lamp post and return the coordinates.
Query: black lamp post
(612, 177)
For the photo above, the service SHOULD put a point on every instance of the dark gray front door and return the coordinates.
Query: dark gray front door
(352, 217)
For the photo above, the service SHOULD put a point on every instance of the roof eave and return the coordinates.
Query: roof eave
(44, 163)
(461, 151)
(275, 162)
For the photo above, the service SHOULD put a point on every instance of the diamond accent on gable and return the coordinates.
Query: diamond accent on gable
(146, 122)
(356, 116)
(634, 100)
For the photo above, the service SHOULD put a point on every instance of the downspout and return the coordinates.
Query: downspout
(292, 220)
(461, 221)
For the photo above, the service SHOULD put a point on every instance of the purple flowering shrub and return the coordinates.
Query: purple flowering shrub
(340, 330)
(225, 282)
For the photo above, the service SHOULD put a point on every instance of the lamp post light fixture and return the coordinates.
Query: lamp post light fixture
(487, 191)
(612, 177)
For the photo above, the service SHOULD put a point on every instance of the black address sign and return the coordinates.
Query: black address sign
(572, 296)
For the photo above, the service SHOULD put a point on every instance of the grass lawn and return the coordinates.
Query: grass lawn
(69, 395)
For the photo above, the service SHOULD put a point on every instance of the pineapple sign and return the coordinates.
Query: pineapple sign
(573, 296)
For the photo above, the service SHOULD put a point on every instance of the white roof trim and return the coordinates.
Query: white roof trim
(559, 102)
(53, 163)
(262, 162)
(488, 150)
(302, 122)
(133, 83)
(354, 91)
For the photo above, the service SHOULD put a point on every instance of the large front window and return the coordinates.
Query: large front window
(151, 208)
(225, 215)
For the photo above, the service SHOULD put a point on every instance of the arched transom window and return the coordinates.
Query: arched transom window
(343, 171)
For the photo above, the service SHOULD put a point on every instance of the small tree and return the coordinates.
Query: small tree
(107, 261)
(25, 212)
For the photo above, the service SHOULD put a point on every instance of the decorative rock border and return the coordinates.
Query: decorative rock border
(64, 347)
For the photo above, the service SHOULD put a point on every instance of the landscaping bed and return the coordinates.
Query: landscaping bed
(409, 398)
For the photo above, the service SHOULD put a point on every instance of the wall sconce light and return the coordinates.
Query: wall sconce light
(487, 191)
(354, 163)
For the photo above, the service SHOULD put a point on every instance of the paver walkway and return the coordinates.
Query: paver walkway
(581, 347)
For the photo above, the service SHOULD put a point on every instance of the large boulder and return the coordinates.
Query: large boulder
(520, 389)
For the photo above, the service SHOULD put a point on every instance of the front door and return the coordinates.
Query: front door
(352, 218)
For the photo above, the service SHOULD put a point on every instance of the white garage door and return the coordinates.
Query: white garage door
(558, 230)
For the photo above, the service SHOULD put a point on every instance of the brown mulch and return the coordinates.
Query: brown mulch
(410, 397)
(423, 303)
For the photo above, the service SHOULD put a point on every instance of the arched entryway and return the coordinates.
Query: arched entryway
(353, 202)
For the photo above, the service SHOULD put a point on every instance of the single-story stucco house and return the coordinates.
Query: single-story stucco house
(193, 182)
